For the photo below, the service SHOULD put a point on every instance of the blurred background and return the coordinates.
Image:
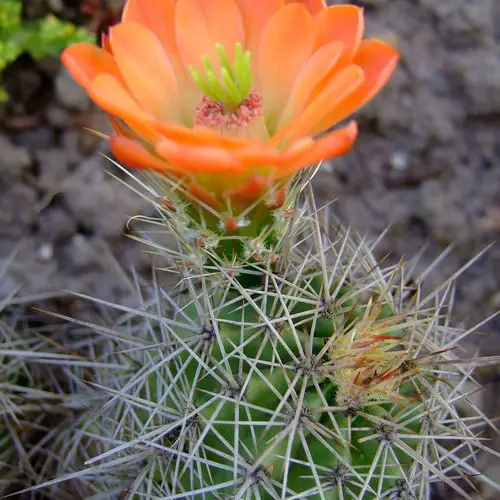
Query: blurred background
(427, 162)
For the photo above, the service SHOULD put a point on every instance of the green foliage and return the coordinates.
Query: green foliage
(41, 37)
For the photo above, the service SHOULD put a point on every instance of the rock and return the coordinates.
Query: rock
(434, 120)
(17, 210)
(441, 209)
(58, 117)
(88, 142)
(81, 143)
(84, 254)
(71, 143)
(15, 123)
(372, 3)
(56, 225)
(28, 89)
(32, 273)
(412, 176)
(428, 118)
(8, 285)
(14, 160)
(35, 8)
(53, 168)
(132, 254)
(69, 93)
(478, 74)
(463, 22)
(399, 161)
(49, 65)
(45, 252)
(100, 204)
(56, 5)
(42, 137)
(491, 219)
(372, 214)
(100, 121)
(486, 139)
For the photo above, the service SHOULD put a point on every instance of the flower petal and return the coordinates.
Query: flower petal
(201, 24)
(313, 120)
(146, 69)
(199, 135)
(135, 155)
(197, 158)
(254, 156)
(198, 193)
(258, 155)
(378, 61)
(85, 61)
(256, 15)
(283, 50)
(106, 46)
(251, 189)
(309, 79)
(109, 93)
(340, 23)
(121, 128)
(158, 16)
(335, 143)
(314, 6)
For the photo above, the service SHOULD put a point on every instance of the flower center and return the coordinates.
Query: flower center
(217, 115)
(229, 104)
(235, 82)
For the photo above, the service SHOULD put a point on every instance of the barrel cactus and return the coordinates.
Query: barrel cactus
(325, 375)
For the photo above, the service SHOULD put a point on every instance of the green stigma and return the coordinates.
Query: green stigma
(235, 81)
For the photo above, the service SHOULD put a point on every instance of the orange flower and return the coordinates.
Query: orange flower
(232, 95)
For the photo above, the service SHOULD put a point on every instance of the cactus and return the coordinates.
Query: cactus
(329, 376)
(18, 390)
(31, 397)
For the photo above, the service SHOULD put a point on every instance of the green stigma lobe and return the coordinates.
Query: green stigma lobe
(234, 83)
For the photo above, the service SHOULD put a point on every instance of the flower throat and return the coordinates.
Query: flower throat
(228, 102)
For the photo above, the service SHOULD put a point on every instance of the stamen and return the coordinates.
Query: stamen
(235, 80)
(216, 115)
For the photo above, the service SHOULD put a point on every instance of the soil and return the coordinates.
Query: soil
(427, 162)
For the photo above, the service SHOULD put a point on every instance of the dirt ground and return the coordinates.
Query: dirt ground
(427, 162)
